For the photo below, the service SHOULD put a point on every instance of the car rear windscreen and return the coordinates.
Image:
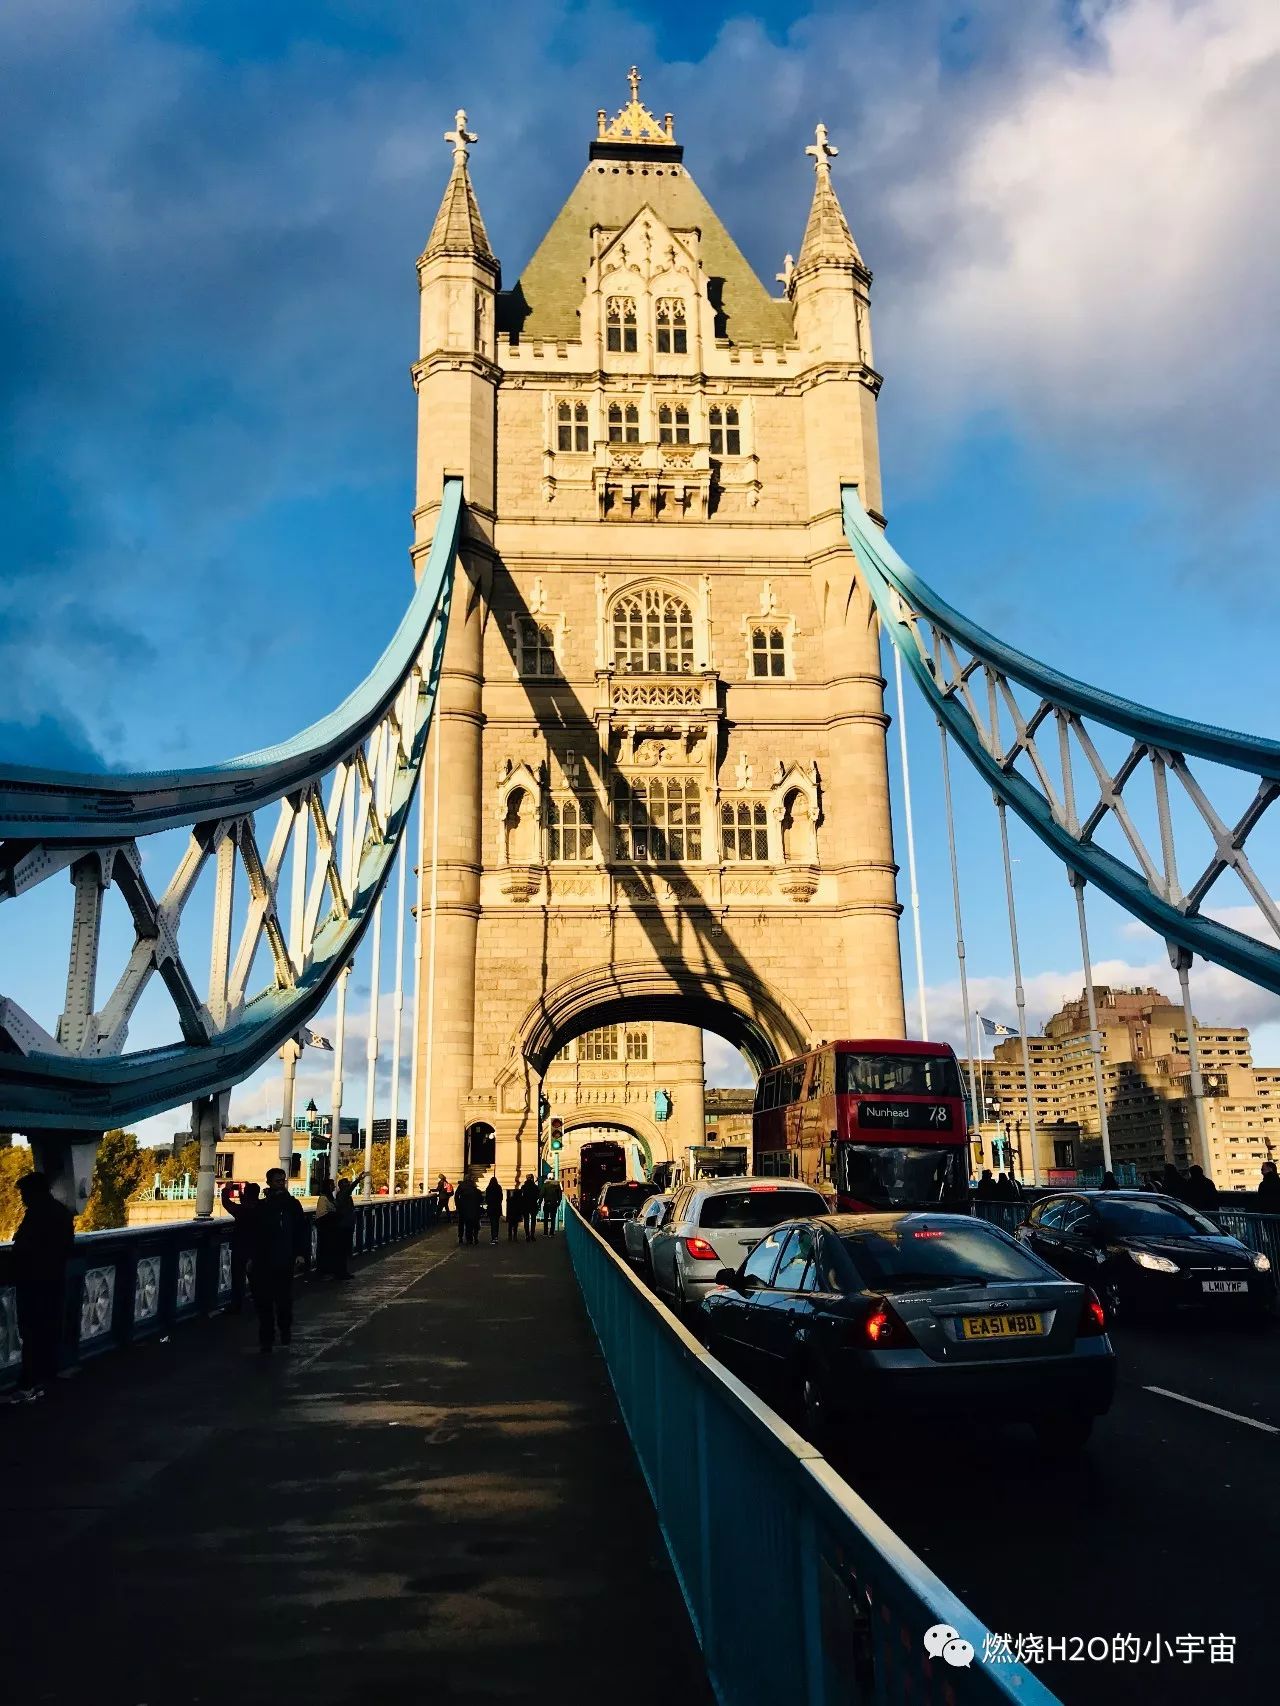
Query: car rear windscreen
(761, 1207)
(905, 1254)
(627, 1196)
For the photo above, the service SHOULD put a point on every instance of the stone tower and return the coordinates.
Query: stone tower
(664, 791)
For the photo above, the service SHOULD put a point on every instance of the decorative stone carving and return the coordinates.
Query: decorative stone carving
(97, 1302)
(185, 1287)
(799, 882)
(146, 1287)
(520, 882)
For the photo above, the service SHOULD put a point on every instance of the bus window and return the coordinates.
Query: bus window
(899, 1075)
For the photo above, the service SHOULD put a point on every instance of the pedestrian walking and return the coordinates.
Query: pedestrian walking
(277, 1238)
(1269, 1189)
(1201, 1191)
(493, 1207)
(443, 1193)
(551, 1195)
(241, 1211)
(468, 1202)
(529, 1207)
(44, 1240)
(1173, 1183)
(515, 1210)
(326, 1230)
(986, 1190)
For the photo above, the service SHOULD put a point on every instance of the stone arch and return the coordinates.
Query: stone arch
(759, 1021)
(645, 1131)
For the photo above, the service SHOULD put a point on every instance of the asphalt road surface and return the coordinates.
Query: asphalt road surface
(1168, 1526)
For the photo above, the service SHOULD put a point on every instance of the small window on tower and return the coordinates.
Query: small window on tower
(624, 423)
(744, 831)
(768, 652)
(571, 426)
(673, 424)
(673, 334)
(537, 647)
(726, 433)
(620, 325)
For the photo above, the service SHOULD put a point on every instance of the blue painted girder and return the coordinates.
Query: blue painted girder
(886, 573)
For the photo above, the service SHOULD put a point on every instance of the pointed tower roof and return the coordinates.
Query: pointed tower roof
(459, 229)
(827, 236)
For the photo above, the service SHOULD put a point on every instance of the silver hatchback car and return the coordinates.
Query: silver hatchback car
(716, 1223)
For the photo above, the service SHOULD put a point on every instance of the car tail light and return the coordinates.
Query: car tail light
(1093, 1317)
(883, 1330)
(700, 1250)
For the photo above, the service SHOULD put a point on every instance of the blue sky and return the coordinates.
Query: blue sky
(207, 312)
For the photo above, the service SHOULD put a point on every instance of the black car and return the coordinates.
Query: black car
(867, 1318)
(619, 1201)
(1147, 1254)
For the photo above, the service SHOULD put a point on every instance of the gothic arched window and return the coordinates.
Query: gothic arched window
(620, 325)
(537, 647)
(673, 423)
(571, 426)
(768, 651)
(652, 633)
(570, 831)
(657, 818)
(725, 432)
(744, 831)
(624, 423)
(637, 1042)
(600, 1044)
(673, 334)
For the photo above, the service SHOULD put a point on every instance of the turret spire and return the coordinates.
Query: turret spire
(459, 229)
(827, 236)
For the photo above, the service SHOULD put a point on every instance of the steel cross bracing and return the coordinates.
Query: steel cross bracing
(971, 680)
(312, 827)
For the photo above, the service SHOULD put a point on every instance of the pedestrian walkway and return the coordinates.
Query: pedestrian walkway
(430, 1496)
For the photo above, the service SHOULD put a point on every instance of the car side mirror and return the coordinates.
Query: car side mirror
(727, 1276)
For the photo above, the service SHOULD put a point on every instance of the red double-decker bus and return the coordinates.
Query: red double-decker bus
(874, 1124)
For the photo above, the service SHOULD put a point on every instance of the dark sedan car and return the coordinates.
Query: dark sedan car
(619, 1201)
(1147, 1254)
(865, 1317)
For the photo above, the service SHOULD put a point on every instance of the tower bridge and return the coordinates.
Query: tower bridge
(638, 700)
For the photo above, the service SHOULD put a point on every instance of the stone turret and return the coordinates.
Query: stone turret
(829, 284)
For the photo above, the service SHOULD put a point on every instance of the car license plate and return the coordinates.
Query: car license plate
(1224, 1285)
(1002, 1326)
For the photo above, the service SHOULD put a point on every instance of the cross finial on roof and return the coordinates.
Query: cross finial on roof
(823, 152)
(460, 137)
(788, 267)
(633, 77)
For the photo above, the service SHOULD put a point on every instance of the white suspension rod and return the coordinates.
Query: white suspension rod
(911, 845)
(348, 838)
(431, 955)
(955, 899)
(1019, 995)
(415, 1069)
(397, 1008)
(1095, 1036)
(380, 754)
(1181, 960)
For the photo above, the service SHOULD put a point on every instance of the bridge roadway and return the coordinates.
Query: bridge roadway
(430, 1495)
(1168, 1526)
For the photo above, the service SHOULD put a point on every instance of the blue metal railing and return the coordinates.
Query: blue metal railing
(742, 1499)
(140, 1282)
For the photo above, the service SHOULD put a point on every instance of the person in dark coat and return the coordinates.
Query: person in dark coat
(443, 1192)
(326, 1230)
(1269, 1189)
(241, 1213)
(1173, 1184)
(278, 1235)
(986, 1191)
(1201, 1191)
(493, 1205)
(529, 1207)
(44, 1240)
(515, 1211)
(1004, 1187)
(344, 1238)
(467, 1200)
(551, 1198)
(1109, 1182)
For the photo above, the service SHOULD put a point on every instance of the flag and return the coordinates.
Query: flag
(313, 1039)
(993, 1028)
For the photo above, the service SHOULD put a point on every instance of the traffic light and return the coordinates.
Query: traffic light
(557, 1134)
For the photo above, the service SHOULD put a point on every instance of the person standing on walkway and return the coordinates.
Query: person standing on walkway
(241, 1213)
(443, 1192)
(493, 1205)
(278, 1236)
(515, 1209)
(529, 1207)
(345, 1215)
(551, 1195)
(44, 1240)
(1269, 1189)
(326, 1230)
(468, 1201)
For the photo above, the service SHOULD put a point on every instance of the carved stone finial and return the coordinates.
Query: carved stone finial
(788, 267)
(634, 78)
(823, 152)
(635, 123)
(743, 773)
(460, 137)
